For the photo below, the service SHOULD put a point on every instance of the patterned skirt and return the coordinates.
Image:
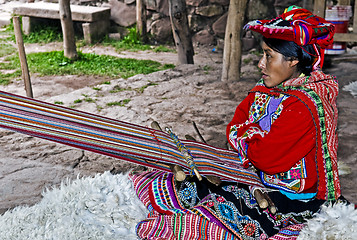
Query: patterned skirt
(195, 209)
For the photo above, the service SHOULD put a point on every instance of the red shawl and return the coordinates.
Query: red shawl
(318, 92)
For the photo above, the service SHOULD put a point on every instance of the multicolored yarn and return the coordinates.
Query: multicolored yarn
(318, 92)
(122, 140)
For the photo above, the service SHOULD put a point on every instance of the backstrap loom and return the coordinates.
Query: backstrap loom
(129, 142)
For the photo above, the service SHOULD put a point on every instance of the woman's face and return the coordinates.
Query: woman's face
(275, 68)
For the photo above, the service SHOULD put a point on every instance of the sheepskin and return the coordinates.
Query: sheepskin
(333, 222)
(106, 207)
(100, 207)
(352, 88)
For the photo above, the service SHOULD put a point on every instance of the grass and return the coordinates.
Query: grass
(120, 103)
(139, 90)
(55, 63)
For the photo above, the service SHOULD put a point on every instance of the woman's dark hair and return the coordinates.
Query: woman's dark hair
(291, 50)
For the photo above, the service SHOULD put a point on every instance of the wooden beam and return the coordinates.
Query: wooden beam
(141, 20)
(232, 51)
(344, 2)
(345, 37)
(319, 8)
(181, 31)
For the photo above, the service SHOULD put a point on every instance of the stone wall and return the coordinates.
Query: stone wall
(207, 18)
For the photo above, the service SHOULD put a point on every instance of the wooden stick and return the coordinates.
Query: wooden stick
(259, 196)
(198, 132)
(214, 180)
(178, 172)
(271, 205)
(22, 56)
(156, 125)
(186, 155)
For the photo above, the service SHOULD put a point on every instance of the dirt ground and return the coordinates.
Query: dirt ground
(179, 97)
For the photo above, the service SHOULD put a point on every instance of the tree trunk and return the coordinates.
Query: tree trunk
(141, 20)
(232, 41)
(69, 42)
(181, 31)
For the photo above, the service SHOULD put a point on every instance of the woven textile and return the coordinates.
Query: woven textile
(129, 142)
(298, 25)
(199, 210)
(168, 219)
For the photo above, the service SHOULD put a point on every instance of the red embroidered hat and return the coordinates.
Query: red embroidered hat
(298, 25)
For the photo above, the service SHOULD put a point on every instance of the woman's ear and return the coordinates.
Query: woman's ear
(293, 62)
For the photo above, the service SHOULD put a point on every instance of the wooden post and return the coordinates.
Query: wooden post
(141, 20)
(22, 56)
(69, 42)
(355, 19)
(181, 31)
(232, 51)
(319, 8)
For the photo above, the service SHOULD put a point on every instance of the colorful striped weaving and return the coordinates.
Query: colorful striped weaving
(122, 140)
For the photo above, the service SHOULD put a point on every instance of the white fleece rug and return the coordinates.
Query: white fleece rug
(100, 207)
(352, 88)
(106, 207)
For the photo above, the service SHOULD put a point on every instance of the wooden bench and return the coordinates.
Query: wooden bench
(95, 21)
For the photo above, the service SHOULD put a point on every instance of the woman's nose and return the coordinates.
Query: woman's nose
(261, 63)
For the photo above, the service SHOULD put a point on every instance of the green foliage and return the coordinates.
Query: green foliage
(120, 103)
(141, 89)
(247, 60)
(117, 88)
(163, 49)
(125, 45)
(132, 42)
(54, 63)
(43, 34)
(132, 38)
(6, 49)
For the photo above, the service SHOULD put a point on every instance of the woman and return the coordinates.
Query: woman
(285, 129)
